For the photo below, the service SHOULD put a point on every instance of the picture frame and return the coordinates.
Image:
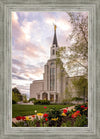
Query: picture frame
(6, 129)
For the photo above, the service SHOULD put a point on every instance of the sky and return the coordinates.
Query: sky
(32, 37)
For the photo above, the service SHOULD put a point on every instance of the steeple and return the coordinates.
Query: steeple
(55, 37)
(54, 45)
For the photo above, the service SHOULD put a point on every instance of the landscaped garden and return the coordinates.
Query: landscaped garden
(50, 116)
(24, 110)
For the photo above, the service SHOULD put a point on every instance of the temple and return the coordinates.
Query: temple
(55, 79)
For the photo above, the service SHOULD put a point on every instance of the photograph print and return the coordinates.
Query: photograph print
(50, 69)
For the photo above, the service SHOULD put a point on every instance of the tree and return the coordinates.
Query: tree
(15, 90)
(68, 96)
(80, 84)
(25, 98)
(16, 95)
(76, 55)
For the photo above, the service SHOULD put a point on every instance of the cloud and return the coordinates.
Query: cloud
(18, 77)
(61, 22)
(14, 18)
(27, 28)
(21, 39)
(17, 62)
(26, 71)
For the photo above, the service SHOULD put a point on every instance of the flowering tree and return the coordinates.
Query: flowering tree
(76, 55)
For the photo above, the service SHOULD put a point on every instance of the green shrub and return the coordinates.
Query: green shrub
(81, 121)
(77, 99)
(13, 102)
(63, 125)
(25, 101)
(32, 99)
(68, 124)
(41, 102)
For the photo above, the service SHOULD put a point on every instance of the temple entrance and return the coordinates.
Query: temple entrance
(45, 96)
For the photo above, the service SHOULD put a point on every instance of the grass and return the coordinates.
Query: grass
(25, 110)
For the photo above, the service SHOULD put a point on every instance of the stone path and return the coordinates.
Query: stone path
(69, 108)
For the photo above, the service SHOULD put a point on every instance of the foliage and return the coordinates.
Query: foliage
(16, 95)
(68, 124)
(80, 83)
(76, 99)
(13, 102)
(68, 96)
(63, 125)
(41, 102)
(81, 121)
(15, 90)
(76, 55)
(32, 99)
(25, 99)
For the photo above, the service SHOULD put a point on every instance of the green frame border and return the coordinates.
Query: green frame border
(7, 131)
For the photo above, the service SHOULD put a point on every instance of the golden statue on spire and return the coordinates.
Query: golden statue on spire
(55, 26)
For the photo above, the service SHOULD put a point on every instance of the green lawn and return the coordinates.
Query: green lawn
(25, 110)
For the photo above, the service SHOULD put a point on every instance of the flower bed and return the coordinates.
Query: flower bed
(77, 117)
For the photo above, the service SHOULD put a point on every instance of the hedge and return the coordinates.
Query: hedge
(41, 102)
(13, 102)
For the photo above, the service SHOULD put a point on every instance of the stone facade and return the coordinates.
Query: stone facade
(35, 88)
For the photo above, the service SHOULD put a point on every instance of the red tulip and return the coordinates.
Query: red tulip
(23, 118)
(64, 111)
(18, 118)
(85, 107)
(33, 116)
(45, 107)
(82, 106)
(46, 119)
(45, 115)
(74, 115)
(78, 111)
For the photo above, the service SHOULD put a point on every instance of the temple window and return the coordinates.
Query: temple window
(53, 52)
(52, 79)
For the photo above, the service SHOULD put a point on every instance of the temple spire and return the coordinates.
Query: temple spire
(54, 47)
(55, 37)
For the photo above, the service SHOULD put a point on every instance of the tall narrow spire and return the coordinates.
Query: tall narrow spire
(55, 37)
(54, 47)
